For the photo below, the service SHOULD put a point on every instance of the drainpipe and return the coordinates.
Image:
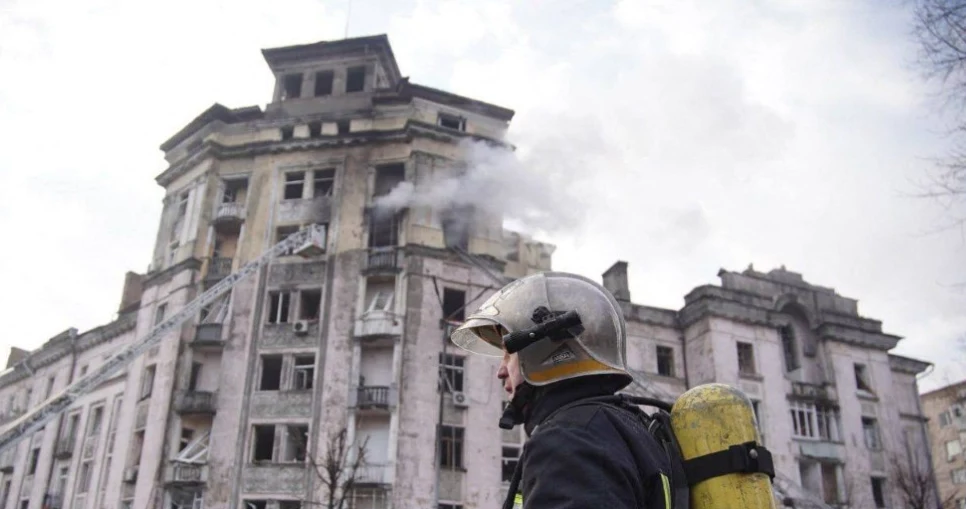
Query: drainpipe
(72, 337)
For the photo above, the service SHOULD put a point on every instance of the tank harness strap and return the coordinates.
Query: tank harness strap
(747, 458)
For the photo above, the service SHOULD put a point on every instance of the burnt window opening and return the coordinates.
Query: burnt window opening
(296, 443)
(451, 121)
(355, 80)
(282, 233)
(315, 129)
(294, 184)
(288, 132)
(195, 375)
(665, 361)
(255, 504)
(456, 223)
(862, 382)
(271, 379)
(451, 447)
(746, 358)
(264, 438)
(787, 335)
(342, 126)
(452, 368)
(388, 176)
(292, 86)
(323, 181)
(279, 305)
(323, 83)
(454, 304)
(309, 303)
(303, 373)
(234, 190)
(289, 504)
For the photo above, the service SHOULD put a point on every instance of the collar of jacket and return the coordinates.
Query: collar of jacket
(556, 395)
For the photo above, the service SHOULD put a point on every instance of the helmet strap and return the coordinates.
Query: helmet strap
(514, 413)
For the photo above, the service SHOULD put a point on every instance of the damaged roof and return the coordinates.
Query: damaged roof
(215, 113)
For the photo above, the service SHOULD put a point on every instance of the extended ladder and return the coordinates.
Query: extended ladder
(307, 242)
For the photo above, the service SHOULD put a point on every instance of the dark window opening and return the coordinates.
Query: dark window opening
(383, 228)
(454, 304)
(292, 85)
(342, 126)
(315, 129)
(186, 435)
(511, 456)
(452, 372)
(296, 443)
(34, 459)
(665, 361)
(862, 382)
(195, 374)
(289, 504)
(456, 223)
(271, 373)
(451, 122)
(279, 303)
(451, 447)
(310, 301)
(878, 491)
(355, 80)
(288, 132)
(323, 83)
(304, 373)
(255, 504)
(322, 182)
(282, 233)
(788, 347)
(387, 178)
(294, 182)
(264, 443)
(746, 358)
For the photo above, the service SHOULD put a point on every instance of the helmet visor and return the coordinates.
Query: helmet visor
(482, 336)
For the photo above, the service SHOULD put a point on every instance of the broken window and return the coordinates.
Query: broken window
(181, 208)
(878, 491)
(451, 447)
(814, 421)
(746, 358)
(381, 301)
(862, 382)
(665, 361)
(322, 182)
(944, 419)
(288, 132)
(510, 458)
(342, 126)
(296, 443)
(304, 373)
(271, 373)
(309, 303)
(292, 86)
(388, 176)
(383, 228)
(147, 381)
(195, 375)
(787, 335)
(454, 305)
(255, 504)
(186, 435)
(294, 183)
(451, 122)
(264, 442)
(315, 129)
(355, 80)
(278, 307)
(233, 190)
(870, 430)
(451, 367)
(456, 222)
(323, 83)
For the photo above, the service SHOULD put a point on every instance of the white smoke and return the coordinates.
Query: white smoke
(535, 192)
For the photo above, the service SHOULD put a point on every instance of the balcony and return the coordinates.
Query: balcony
(373, 397)
(229, 216)
(195, 402)
(382, 260)
(185, 473)
(208, 337)
(65, 447)
(378, 323)
(824, 392)
(218, 268)
(372, 473)
(822, 450)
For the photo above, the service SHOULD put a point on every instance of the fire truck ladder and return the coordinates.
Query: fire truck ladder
(307, 243)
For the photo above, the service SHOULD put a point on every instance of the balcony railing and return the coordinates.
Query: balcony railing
(186, 473)
(219, 268)
(811, 391)
(195, 402)
(229, 213)
(383, 259)
(65, 447)
(372, 473)
(378, 323)
(372, 397)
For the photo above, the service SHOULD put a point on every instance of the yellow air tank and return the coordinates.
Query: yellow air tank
(716, 431)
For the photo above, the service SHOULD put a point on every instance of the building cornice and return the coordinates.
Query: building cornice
(163, 276)
(907, 365)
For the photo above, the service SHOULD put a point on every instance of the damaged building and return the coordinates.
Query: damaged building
(239, 407)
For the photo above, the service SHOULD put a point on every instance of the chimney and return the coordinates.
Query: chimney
(615, 281)
(131, 295)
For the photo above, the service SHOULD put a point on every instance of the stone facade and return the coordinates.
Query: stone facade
(946, 410)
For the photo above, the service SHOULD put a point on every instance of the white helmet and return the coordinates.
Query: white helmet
(563, 325)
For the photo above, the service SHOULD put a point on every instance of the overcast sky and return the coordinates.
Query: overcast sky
(690, 139)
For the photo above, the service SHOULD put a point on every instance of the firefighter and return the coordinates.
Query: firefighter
(562, 340)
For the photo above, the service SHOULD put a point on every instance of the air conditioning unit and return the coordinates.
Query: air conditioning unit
(301, 327)
(460, 400)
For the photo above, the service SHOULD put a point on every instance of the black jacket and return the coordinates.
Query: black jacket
(589, 456)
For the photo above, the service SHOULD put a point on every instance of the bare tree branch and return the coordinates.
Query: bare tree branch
(338, 470)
